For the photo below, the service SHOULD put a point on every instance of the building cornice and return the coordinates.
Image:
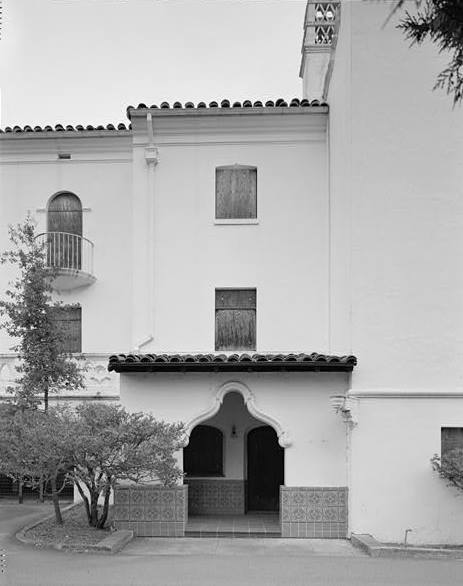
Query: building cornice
(411, 393)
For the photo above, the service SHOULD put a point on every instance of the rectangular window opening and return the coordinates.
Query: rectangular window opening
(451, 438)
(235, 192)
(235, 319)
(68, 320)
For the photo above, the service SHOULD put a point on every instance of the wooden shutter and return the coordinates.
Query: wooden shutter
(64, 214)
(68, 321)
(236, 192)
(235, 319)
(451, 438)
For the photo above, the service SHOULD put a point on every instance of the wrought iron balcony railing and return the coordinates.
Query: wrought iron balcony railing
(71, 257)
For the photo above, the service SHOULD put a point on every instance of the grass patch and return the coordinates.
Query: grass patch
(75, 531)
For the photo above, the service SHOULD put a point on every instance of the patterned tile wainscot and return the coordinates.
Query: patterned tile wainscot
(215, 496)
(313, 512)
(151, 511)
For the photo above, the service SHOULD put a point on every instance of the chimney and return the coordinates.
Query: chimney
(321, 24)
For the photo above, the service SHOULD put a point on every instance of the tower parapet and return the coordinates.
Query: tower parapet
(321, 24)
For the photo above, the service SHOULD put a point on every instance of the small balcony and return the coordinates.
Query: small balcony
(71, 258)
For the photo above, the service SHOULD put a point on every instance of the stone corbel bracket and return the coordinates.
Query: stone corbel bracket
(347, 407)
(152, 155)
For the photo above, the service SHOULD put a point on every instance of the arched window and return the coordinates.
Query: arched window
(204, 454)
(64, 227)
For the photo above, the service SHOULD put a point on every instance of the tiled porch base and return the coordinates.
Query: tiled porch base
(313, 512)
(249, 525)
(151, 511)
(215, 496)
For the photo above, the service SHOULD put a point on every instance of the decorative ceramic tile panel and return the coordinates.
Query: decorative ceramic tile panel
(215, 496)
(151, 511)
(316, 512)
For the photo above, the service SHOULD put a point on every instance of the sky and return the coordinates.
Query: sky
(85, 61)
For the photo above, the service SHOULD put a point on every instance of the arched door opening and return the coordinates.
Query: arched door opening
(265, 469)
(203, 455)
(234, 467)
(64, 227)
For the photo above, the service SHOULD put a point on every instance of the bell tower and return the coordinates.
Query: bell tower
(321, 24)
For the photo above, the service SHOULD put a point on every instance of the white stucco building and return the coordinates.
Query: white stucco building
(283, 277)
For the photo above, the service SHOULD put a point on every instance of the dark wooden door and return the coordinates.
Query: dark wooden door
(265, 469)
(65, 214)
(64, 227)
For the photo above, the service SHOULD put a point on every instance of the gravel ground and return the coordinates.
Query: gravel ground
(75, 530)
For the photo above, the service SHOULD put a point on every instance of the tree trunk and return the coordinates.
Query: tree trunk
(94, 509)
(41, 490)
(84, 498)
(45, 399)
(20, 492)
(55, 499)
(104, 514)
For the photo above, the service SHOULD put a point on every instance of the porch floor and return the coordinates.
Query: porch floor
(249, 525)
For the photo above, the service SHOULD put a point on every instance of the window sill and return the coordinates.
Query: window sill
(237, 222)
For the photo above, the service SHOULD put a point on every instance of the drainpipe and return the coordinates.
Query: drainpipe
(152, 159)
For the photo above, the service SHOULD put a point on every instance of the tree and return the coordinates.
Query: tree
(440, 21)
(27, 313)
(113, 444)
(36, 447)
(450, 467)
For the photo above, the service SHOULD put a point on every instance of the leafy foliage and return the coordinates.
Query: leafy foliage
(95, 445)
(440, 21)
(35, 447)
(450, 466)
(115, 445)
(27, 317)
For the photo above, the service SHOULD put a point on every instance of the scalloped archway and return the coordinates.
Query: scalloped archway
(249, 400)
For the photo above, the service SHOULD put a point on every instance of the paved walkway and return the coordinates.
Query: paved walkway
(211, 562)
(226, 546)
(260, 524)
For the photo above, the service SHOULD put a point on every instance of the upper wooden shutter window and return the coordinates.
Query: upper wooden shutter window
(235, 319)
(64, 214)
(235, 192)
(68, 320)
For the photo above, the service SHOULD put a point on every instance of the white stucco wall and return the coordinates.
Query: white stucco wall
(99, 173)
(284, 256)
(392, 484)
(396, 240)
(396, 205)
(297, 402)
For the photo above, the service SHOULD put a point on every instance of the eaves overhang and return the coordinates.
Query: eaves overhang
(126, 363)
(227, 108)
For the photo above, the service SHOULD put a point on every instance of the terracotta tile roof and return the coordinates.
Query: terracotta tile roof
(227, 104)
(63, 128)
(221, 106)
(233, 362)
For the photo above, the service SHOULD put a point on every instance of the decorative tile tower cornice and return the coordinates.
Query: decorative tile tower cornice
(321, 25)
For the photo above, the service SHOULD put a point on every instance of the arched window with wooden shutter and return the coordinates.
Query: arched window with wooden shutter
(64, 227)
